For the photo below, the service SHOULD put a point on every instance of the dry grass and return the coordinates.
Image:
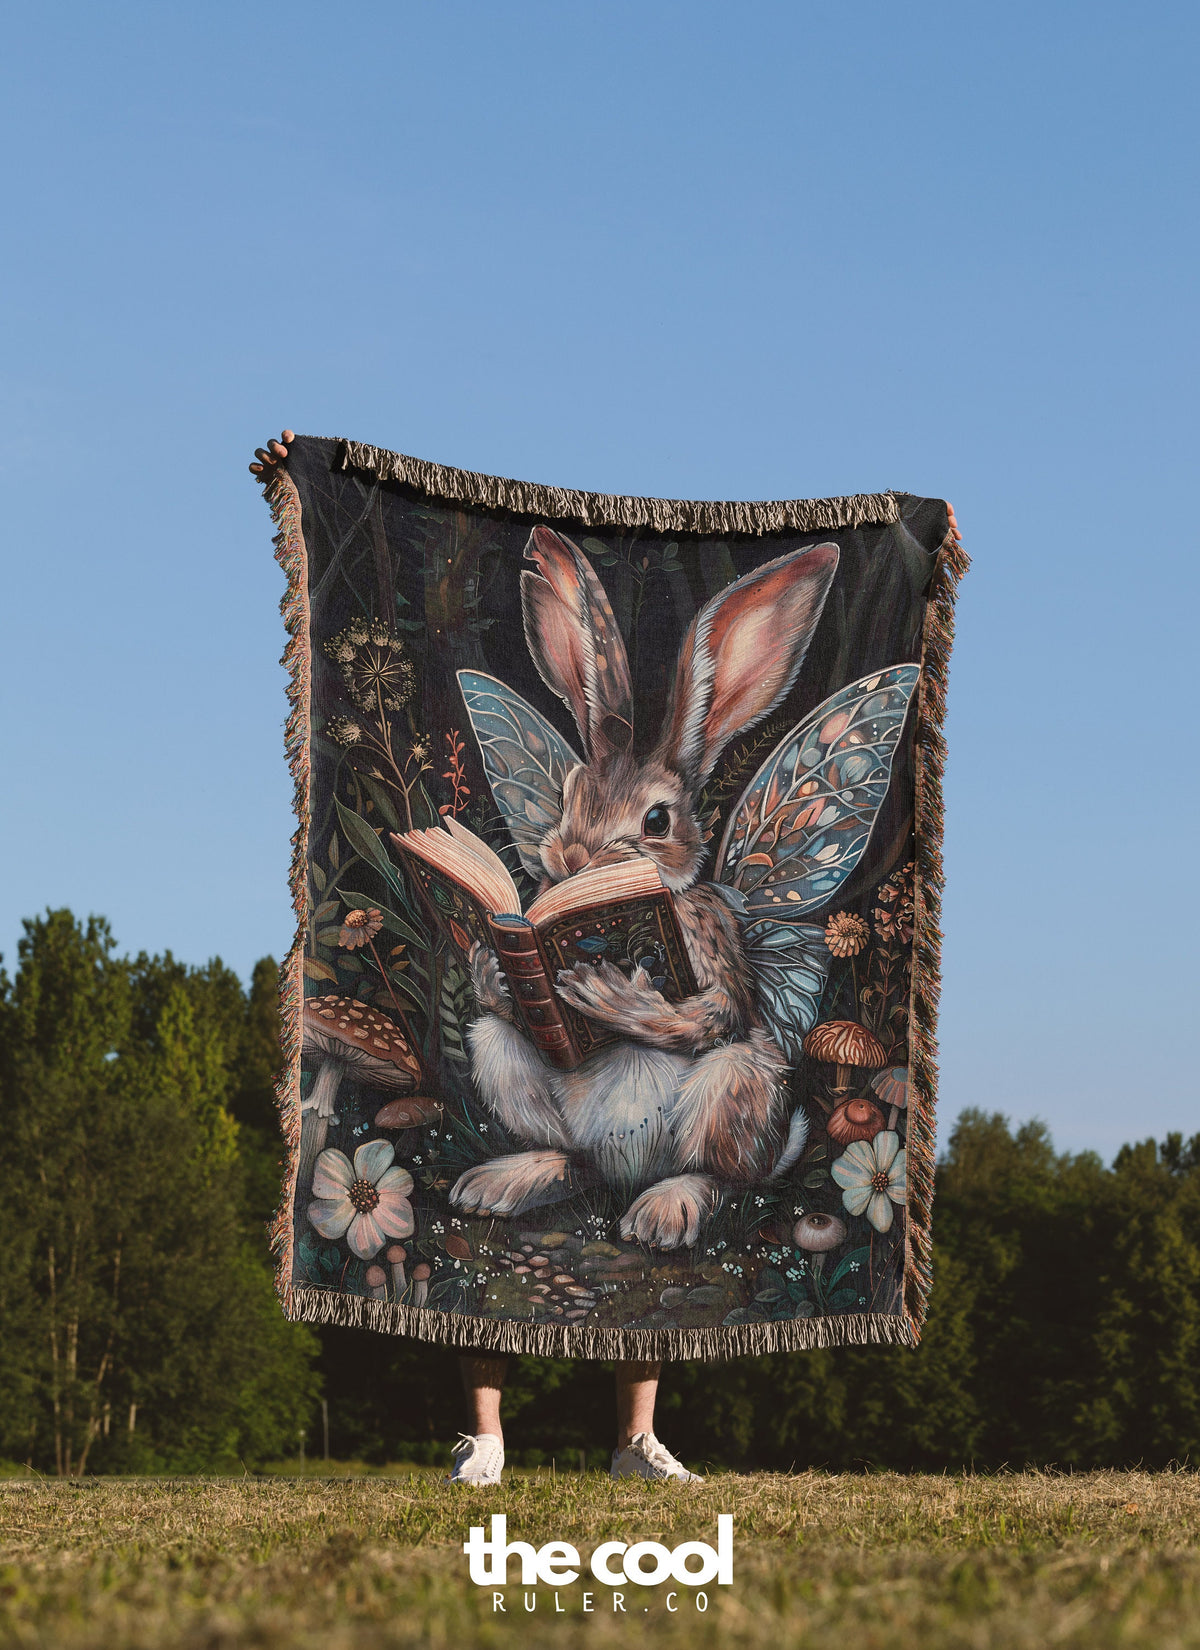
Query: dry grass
(1010, 1563)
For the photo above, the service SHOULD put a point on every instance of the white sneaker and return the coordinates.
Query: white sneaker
(644, 1457)
(477, 1460)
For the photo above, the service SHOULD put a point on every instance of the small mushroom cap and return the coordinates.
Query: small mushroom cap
(854, 1120)
(376, 1277)
(367, 1040)
(420, 1273)
(845, 1043)
(892, 1087)
(396, 1254)
(409, 1113)
(817, 1233)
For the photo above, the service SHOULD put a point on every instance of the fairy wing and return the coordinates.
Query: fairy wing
(790, 961)
(805, 818)
(799, 830)
(524, 757)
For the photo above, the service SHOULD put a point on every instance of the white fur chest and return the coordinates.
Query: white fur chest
(617, 1109)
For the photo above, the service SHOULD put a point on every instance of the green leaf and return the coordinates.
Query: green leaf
(326, 909)
(843, 1298)
(318, 877)
(328, 936)
(350, 964)
(815, 1177)
(334, 855)
(405, 986)
(318, 970)
(363, 840)
(861, 1256)
(382, 799)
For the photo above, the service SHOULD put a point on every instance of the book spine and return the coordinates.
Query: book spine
(533, 994)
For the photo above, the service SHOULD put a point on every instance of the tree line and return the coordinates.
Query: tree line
(140, 1160)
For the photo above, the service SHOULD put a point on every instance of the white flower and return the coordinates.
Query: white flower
(366, 1201)
(871, 1174)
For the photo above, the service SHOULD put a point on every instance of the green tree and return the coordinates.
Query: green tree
(150, 1336)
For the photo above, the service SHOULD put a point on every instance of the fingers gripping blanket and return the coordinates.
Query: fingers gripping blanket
(609, 1022)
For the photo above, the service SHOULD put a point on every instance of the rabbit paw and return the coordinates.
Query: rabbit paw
(669, 1215)
(488, 982)
(507, 1185)
(603, 993)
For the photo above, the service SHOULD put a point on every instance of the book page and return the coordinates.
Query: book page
(467, 860)
(626, 880)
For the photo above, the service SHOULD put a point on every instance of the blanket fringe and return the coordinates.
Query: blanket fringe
(936, 641)
(546, 1340)
(661, 515)
(292, 556)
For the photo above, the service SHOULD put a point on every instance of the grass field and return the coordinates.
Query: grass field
(861, 1563)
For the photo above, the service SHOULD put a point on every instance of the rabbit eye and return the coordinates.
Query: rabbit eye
(657, 821)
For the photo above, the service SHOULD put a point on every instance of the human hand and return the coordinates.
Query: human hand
(274, 453)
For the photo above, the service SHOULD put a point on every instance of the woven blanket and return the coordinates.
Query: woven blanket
(609, 1021)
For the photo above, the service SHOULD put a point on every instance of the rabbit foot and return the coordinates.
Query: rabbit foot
(510, 1185)
(488, 982)
(603, 993)
(669, 1215)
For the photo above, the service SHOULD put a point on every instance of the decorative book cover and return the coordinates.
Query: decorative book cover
(650, 1071)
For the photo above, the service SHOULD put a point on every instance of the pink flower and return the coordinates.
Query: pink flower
(366, 1201)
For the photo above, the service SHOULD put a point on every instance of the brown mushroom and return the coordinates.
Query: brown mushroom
(412, 1112)
(854, 1120)
(892, 1088)
(845, 1044)
(377, 1283)
(395, 1256)
(420, 1292)
(348, 1038)
(818, 1233)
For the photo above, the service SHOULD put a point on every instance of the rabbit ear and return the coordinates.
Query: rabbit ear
(741, 655)
(575, 643)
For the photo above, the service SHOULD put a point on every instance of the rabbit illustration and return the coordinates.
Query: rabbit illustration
(692, 1101)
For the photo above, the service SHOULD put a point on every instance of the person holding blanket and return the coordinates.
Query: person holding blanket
(649, 1051)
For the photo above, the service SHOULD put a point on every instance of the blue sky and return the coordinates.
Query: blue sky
(689, 249)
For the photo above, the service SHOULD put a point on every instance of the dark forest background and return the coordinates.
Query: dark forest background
(140, 1161)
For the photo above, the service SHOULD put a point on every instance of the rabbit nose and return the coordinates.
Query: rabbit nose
(575, 858)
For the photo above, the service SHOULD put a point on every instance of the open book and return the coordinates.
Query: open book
(617, 913)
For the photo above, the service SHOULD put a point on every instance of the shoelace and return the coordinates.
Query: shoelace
(657, 1454)
(484, 1449)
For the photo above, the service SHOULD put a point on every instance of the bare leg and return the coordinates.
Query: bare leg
(637, 1388)
(483, 1379)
